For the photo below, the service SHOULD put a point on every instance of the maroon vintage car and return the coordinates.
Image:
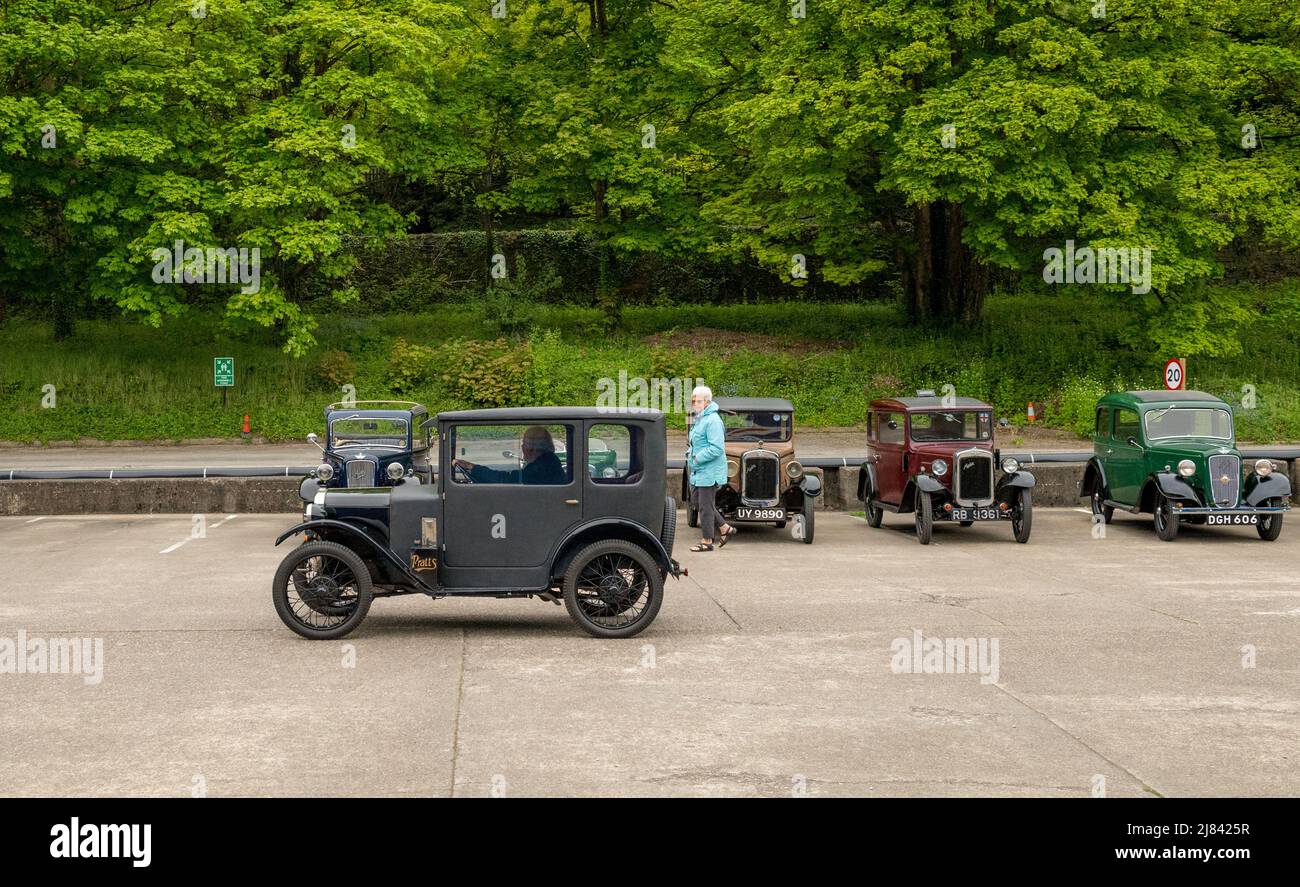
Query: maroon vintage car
(934, 456)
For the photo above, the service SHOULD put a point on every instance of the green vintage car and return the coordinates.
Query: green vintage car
(1172, 454)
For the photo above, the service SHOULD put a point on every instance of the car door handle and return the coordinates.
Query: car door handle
(570, 501)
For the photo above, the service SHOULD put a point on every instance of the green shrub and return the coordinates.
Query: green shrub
(409, 365)
(489, 374)
(335, 369)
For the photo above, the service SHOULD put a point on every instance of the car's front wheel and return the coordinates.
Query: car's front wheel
(1022, 517)
(875, 514)
(1270, 525)
(924, 518)
(804, 522)
(322, 590)
(1166, 521)
(613, 589)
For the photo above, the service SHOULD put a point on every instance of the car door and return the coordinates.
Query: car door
(891, 452)
(502, 517)
(1125, 461)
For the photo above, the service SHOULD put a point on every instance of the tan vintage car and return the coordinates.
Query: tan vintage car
(765, 482)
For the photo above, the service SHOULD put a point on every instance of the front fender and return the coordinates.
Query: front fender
(1275, 486)
(866, 481)
(355, 538)
(811, 485)
(927, 484)
(1174, 487)
(1021, 480)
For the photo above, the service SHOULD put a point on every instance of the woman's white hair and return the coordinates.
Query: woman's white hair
(703, 391)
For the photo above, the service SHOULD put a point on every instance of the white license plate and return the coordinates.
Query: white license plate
(760, 514)
(1238, 520)
(976, 514)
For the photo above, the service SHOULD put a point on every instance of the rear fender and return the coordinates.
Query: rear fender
(609, 528)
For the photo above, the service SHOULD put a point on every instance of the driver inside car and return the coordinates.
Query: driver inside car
(541, 465)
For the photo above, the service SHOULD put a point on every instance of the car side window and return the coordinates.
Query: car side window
(1126, 424)
(528, 455)
(1101, 428)
(871, 426)
(891, 428)
(616, 453)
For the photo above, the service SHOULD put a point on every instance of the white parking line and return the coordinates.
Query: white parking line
(169, 549)
(35, 519)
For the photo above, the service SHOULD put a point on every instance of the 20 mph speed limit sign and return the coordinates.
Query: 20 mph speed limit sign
(1175, 374)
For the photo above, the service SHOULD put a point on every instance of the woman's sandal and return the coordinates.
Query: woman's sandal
(725, 537)
(701, 547)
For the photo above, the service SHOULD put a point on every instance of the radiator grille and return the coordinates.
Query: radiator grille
(1225, 480)
(759, 473)
(974, 478)
(361, 473)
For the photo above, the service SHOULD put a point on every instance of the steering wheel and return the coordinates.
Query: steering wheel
(464, 477)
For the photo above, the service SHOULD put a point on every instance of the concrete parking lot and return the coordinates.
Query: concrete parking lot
(1123, 664)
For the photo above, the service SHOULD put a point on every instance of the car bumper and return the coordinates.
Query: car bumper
(1241, 509)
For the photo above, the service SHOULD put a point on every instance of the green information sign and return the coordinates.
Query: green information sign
(223, 372)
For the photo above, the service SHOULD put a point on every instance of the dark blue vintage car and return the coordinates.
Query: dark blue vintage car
(373, 443)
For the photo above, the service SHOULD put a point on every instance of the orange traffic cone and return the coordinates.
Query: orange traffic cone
(1032, 417)
(247, 431)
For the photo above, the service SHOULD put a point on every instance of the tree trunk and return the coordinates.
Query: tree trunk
(944, 282)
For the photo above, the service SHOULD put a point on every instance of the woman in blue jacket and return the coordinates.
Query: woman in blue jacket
(707, 460)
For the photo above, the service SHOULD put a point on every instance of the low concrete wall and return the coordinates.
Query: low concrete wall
(1057, 486)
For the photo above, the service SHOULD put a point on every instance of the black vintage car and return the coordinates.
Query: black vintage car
(373, 443)
(506, 517)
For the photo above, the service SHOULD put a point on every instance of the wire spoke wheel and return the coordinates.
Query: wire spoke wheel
(322, 590)
(613, 588)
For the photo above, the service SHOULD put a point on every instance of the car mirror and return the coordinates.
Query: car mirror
(313, 439)
(891, 425)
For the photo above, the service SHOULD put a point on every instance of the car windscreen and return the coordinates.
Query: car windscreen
(952, 425)
(1189, 422)
(368, 431)
(758, 425)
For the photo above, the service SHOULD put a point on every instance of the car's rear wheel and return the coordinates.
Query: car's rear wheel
(1269, 526)
(613, 589)
(322, 590)
(1166, 522)
(1022, 518)
(1098, 503)
(875, 514)
(924, 518)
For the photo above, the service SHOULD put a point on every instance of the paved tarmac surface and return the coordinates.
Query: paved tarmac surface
(768, 671)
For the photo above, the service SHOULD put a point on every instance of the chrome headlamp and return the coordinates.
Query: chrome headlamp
(1187, 468)
(1010, 465)
(939, 467)
(395, 471)
(324, 471)
(1263, 468)
(794, 470)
